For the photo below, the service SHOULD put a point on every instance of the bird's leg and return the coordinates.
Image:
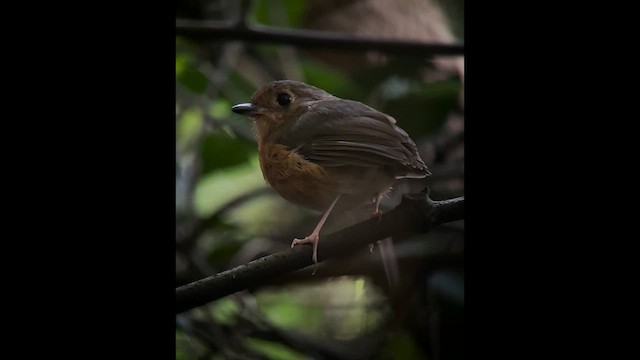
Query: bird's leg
(314, 238)
(376, 213)
(387, 252)
(389, 261)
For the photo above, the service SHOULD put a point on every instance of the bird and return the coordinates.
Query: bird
(325, 153)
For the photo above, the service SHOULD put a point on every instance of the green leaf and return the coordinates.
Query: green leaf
(219, 187)
(182, 61)
(328, 79)
(288, 314)
(264, 214)
(340, 309)
(188, 348)
(189, 126)
(192, 78)
(220, 150)
(293, 10)
(224, 311)
(220, 109)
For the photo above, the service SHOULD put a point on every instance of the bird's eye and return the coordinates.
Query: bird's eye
(284, 99)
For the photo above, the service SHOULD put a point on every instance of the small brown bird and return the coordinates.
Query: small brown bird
(323, 152)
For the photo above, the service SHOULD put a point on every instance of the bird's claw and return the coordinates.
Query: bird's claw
(311, 239)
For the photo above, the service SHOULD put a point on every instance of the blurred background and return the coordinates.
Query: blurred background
(226, 215)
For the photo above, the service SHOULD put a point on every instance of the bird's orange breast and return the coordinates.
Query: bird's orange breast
(296, 179)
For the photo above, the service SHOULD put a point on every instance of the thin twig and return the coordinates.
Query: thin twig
(212, 30)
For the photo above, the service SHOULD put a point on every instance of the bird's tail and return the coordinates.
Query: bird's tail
(389, 261)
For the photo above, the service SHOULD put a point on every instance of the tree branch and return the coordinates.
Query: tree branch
(210, 30)
(416, 213)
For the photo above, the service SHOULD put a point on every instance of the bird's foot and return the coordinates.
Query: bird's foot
(377, 214)
(313, 239)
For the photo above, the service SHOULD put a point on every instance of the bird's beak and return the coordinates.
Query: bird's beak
(248, 109)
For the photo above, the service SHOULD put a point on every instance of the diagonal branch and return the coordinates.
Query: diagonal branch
(416, 213)
(210, 30)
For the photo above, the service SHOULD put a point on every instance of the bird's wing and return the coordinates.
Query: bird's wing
(344, 132)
